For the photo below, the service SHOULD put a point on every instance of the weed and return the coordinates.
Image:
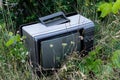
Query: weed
(102, 63)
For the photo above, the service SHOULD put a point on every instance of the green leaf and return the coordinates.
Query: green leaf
(116, 58)
(96, 66)
(105, 9)
(10, 34)
(94, 52)
(10, 42)
(116, 7)
(17, 37)
(13, 39)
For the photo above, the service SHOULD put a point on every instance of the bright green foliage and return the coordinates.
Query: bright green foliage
(116, 7)
(106, 8)
(92, 62)
(12, 49)
(16, 48)
(13, 39)
(116, 59)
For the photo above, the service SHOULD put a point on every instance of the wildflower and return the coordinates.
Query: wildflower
(51, 45)
(72, 42)
(64, 44)
(23, 61)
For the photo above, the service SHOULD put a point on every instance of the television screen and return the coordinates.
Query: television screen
(54, 51)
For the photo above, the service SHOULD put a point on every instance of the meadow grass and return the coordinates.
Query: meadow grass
(98, 64)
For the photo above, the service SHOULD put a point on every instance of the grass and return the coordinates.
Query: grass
(100, 64)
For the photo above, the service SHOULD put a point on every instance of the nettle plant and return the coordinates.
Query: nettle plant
(109, 7)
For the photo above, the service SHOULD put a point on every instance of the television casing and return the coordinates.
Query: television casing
(49, 44)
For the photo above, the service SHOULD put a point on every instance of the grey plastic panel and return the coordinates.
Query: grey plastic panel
(30, 44)
(76, 22)
(55, 50)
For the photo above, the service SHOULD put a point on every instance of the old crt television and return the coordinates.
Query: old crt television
(56, 36)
